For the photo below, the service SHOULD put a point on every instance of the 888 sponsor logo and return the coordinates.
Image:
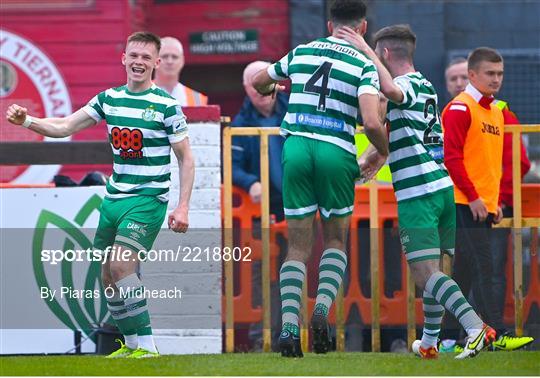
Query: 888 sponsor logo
(130, 142)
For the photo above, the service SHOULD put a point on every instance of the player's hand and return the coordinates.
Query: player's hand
(370, 164)
(353, 38)
(178, 220)
(255, 192)
(271, 90)
(16, 114)
(478, 210)
(499, 216)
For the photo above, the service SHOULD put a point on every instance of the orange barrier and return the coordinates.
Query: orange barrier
(393, 310)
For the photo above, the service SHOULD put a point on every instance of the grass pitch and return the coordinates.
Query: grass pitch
(492, 363)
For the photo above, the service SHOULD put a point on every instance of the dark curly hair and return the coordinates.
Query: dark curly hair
(347, 12)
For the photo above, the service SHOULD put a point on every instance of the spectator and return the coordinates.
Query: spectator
(168, 74)
(456, 76)
(260, 111)
(473, 151)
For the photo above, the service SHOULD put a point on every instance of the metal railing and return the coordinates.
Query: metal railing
(517, 222)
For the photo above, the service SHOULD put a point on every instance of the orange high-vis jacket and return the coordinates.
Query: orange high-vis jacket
(195, 98)
(189, 97)
(482, 151)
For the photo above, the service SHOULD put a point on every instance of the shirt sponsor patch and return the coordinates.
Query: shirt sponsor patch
(320, 121)
(436, 153)
(179, 127)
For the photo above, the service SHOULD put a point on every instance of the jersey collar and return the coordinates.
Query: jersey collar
(479, 97)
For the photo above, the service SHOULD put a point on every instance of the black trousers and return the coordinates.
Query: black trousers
(473, 265)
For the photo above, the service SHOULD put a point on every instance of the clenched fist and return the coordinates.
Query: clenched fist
(178, 220)
(16, 114)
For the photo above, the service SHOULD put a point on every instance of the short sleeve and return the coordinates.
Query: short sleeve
(175, 123)
(369, 80)
(406, 87)
(280, 69)
(94, 108)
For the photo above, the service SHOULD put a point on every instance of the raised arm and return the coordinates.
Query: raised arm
(51, 127)
(388, 87)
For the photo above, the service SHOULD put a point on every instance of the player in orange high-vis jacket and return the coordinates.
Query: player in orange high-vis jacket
(168, 72)
(473, 153)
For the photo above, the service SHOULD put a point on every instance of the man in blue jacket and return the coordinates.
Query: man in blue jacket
(262, 111)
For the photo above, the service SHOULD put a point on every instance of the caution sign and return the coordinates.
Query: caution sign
(224, 42)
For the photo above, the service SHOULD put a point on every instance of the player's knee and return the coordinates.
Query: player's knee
(106, 279)
(335, 232)
(119, 271)
(420, 281)
(422, 271)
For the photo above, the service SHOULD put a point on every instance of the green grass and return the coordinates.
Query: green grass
(496, 363)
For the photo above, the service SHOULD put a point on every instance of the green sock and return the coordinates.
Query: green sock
(446, 291)
(433, 314)
(331, 271)
(137, 309)
(291, 279)
(118, 311)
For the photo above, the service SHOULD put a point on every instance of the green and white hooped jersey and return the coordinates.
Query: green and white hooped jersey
(327, 77)
(416, 141)
(142, 126)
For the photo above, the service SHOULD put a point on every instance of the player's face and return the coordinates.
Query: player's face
(456, 78)
(172, 60)
(487, 77)
(140, 60)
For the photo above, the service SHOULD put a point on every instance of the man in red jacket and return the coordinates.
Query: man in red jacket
(478, 205)
(499, 237)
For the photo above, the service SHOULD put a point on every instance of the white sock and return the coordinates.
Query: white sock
(473, 332)
(147, 342)
(131, 341)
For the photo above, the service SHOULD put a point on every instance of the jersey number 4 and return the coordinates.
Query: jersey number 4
(432, 113)
(322, 90)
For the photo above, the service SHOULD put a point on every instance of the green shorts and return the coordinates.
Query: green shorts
(132, 222)
(317, 175)
(427, 225)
